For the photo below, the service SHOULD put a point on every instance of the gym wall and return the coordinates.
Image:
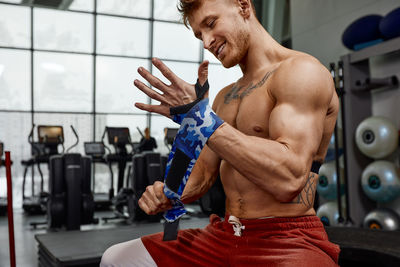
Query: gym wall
(317, 25)
(317, 28)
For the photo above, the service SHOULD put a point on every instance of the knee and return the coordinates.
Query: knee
(111, 256)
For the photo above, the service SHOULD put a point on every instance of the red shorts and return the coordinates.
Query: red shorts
(299, 241)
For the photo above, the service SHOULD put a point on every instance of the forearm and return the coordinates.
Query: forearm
(203, 176)
(271, 165)
(196, 188)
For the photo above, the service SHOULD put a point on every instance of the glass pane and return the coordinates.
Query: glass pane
(82, 5)
(210, 57)
(15, 79)
(14, 131)
(175, 41)
(185, 71)
(115, 91)
(219, 77)
(63, 82)
(15, 26)
(137, 8)
(66, 31)
(158, 123)
(12, 1)
(120, 36)
(166, 10)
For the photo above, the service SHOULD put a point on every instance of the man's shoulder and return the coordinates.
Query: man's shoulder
(302, 74)
(302, 64)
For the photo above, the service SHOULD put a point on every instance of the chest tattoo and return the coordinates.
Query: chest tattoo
(237, 92)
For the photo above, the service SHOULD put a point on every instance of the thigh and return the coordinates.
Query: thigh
(130, 253)
(284, 252)
(194, 247)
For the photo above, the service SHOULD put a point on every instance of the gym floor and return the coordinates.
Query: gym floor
(26, 246)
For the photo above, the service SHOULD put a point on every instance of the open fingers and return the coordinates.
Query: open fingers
(160, 109)
(153, 80)
(150, 92)
(165, 70)
(203, 72)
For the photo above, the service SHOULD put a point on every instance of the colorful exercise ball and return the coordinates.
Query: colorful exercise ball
(327, 181)
(362, 30)
(390, 24)
(382, 219)
(377, 137)
(328, 213)
(380, 181)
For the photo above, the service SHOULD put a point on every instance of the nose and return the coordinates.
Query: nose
(208, 41)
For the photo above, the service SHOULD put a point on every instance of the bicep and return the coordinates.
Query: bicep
(298, 127)
(302, 101)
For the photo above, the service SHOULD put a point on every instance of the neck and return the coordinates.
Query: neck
(263, 52)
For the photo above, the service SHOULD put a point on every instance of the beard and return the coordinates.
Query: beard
(238, 47)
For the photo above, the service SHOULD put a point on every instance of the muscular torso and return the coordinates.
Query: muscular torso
(247, 106)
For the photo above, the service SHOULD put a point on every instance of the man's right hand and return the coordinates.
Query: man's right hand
(154, 200)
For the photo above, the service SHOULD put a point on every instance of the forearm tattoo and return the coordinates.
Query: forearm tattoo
(237, 92)
(307, 195)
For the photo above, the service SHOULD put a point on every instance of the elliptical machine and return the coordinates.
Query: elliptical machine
(70, 202)
(97, 152)
(119, 138)
(49, 138)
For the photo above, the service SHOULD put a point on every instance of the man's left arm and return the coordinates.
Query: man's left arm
(280, 164)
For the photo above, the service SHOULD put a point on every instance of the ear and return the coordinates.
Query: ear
(245, 8)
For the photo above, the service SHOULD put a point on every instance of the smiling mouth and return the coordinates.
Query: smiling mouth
(220, 49)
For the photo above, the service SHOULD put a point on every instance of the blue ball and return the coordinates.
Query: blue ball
(380, 181)
(362, 30)
(390, 24)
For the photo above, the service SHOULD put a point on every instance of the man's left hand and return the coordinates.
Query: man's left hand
(177, 93)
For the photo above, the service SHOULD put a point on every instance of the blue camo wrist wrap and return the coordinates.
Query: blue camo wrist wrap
(198, 124)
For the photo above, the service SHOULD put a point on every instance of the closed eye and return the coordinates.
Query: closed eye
(211, 23)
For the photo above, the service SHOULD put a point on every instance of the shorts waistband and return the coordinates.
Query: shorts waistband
(278, 223)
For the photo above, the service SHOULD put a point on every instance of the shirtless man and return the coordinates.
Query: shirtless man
(279, 118)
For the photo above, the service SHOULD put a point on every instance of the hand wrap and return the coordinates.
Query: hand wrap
(179, 112)
(197, 125)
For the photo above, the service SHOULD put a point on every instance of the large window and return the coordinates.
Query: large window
(77, 67)
(172, 40)
(60, 30)
(63, 82)
(15, 80)
(115, 90)
(137, 8)
(122, 36)
(15, 26)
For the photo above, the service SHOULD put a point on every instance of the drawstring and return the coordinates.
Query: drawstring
(236, 224)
